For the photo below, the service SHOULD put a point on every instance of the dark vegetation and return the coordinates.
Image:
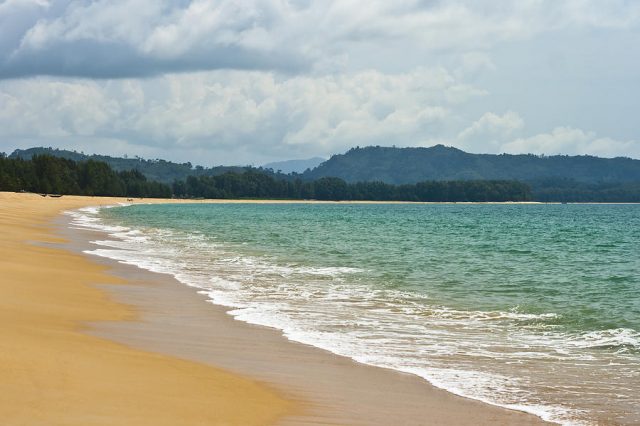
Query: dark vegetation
(571, 191)
(558, 178)
(411, 165)
(253, 184)
(380, 173)
(48, 174)
(54, 175)
(158, 170)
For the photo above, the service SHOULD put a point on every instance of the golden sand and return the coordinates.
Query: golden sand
(52, 373)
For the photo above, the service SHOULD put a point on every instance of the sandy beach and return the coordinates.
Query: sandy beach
(90, 341)
(54, 372)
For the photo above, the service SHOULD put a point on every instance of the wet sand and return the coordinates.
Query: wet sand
(54, 372)
(175, 320)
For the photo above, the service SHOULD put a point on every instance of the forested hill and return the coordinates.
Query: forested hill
(411, 165)
(46, 174)
(157, 170)
(550, 178)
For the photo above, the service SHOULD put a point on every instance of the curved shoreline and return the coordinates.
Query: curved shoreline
(305, 369)
(54, 372)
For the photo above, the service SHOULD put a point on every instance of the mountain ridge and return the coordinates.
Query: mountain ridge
(558, 178)
(399, 166)
(411, 165)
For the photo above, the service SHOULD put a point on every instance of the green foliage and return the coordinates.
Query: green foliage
(571, 191)
(373, 173)
(411, 165)
(252, 184)
(557, 178)
(56, 175)
(157, 170)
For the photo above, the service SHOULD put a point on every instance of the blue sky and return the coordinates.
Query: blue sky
(222, 82)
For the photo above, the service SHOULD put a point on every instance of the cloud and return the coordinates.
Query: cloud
(138, 38)
(134, 38)
(221, 116)
(568, 140)
(491, 126)
(472, 63)
(55, 109)
(258, 80)
(235, 117)
(494, 133)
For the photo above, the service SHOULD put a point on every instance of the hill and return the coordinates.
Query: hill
(156, 170)
(411, 165)
(558, 178)
(46, 174)
(294, 166)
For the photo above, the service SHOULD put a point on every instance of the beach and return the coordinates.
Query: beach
(54, 372)
(88, 340)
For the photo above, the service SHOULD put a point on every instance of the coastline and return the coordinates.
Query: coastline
(55, 372)
(92, 341)
(176, 320)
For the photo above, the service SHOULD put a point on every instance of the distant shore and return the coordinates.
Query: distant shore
(190, 362)
(124, 200)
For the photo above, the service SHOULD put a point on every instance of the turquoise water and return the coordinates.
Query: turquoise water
(535, 307)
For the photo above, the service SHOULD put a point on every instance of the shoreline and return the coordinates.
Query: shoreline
(54, 372)
(176, 320)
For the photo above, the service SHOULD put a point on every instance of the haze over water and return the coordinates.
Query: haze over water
(535, 307)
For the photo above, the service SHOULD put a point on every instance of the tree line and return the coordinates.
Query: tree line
(571, 191)
(160, 170)
(54, 175)
(254, 184)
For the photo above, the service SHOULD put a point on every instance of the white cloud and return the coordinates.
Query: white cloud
(238, 116)
(491, 128)
(124, 38)
(55, 108)
(259, 114)
(473, 63)
(274, 79)
(568, 140)
(494, 133)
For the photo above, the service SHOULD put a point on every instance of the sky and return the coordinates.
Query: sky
(227, 82)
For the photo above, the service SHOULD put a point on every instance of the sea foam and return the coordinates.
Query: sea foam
(330, 308)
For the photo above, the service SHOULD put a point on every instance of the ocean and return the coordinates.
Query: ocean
(532, 307)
